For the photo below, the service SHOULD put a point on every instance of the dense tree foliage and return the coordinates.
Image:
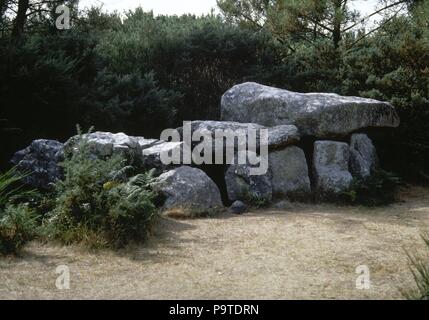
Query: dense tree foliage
(141, 73)
(307, 21)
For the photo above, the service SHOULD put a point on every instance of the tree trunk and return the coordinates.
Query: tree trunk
(21, 18)
(338, 19)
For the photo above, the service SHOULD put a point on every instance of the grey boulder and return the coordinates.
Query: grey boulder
(212, 126)
(147, 143)
(323, 115)
(290, 173)
(278, 136)
(153, 156)
(243, 185)
(282, 136)
(40, 161)
(238, 207)
(331, 168)
(363, 156)
(188, 189)
(106, 144)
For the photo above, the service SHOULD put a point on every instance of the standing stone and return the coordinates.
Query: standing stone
(363, 156)
(242, 185)
(290, 173)
(331, 168)
(188, 189)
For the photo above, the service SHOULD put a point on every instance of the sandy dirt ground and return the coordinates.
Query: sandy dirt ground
(302, 252)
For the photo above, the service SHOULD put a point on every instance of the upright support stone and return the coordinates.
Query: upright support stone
(244, 186)
(290, 173)
(363, 156)
(331, 168)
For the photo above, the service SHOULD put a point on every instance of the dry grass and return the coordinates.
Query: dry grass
(307, 252)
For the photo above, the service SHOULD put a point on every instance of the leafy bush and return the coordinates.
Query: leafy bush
(378, 190)
(256, 201)
(420, 271)
(17, 222)
(18, 225)
(7, 189)
(132, 103)
(96, 208)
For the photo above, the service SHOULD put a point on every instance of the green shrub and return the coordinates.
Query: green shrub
(420, 271)
(95, 208)
(254, 199)
(17, 222)
(18, 225)
(11, 187)
(378, 190)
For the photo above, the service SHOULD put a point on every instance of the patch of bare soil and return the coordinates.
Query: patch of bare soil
(305, 252)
